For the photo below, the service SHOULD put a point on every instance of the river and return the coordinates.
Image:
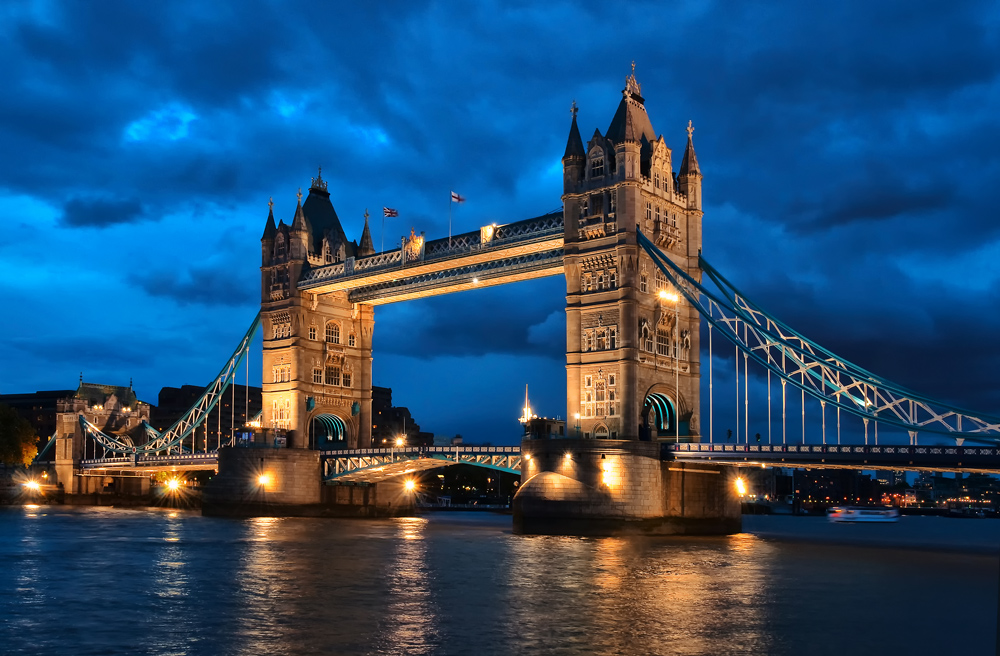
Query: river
(117, 581)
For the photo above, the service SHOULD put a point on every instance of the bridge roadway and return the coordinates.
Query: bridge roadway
(968, 459)
(368, 466)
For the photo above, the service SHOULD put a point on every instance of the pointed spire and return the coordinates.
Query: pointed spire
(269, 228)
(689, 165)
(574, 145)
(318, 183)
(300, 222)
(366, 247)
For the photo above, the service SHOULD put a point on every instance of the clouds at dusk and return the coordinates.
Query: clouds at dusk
(849, 154)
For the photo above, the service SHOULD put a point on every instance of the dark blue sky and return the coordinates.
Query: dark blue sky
(849, 151)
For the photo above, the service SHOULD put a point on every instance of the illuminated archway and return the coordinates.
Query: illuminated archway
(329, 432)
(659, 415)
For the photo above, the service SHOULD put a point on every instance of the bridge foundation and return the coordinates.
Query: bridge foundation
(619, 487)
(268, 482)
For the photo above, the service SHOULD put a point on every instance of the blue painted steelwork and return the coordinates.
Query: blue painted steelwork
(372, 465)
(336, 430)
(190, 420)
(796, 360)
(48, 445)
(911, 458)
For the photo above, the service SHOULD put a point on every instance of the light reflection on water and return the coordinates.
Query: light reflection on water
(126, 582)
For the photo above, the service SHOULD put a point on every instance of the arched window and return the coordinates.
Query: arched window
(647, 340)
(601, 342)
(656, 179)
(661, 280)
(332, 332)
(662, 342)
(597, 167)
(643, 282)
(612, 338)
(351, 340)
(600, 391)
(613, 279)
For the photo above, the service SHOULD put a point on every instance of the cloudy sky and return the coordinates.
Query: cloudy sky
(849, 152)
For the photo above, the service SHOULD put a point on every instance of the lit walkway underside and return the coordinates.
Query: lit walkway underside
(368, 466)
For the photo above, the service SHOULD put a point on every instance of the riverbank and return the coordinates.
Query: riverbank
(976, 536)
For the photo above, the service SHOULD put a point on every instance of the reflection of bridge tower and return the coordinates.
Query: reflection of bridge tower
(623, 336)
(317, 348)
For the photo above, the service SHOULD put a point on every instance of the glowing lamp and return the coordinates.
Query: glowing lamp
(263, 479)
(33, 486)
(173, 484)
(741, 486)
(410, 485)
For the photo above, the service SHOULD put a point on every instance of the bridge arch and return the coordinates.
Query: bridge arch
(328, 431)
(661, 413)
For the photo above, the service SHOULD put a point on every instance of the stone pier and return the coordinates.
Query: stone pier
(268, 482)
(619, 487)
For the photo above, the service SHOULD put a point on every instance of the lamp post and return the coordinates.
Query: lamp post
(577, 417)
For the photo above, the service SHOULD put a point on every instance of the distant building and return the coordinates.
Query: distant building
(389, 423)
(543, 427)
(114, 409)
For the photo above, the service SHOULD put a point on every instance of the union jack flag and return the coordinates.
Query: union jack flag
(388, 212)
(456, 198)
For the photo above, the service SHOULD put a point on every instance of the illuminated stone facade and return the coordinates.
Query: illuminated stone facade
(317, 362)
(624, 332)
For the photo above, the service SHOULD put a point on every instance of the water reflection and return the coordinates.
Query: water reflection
(410, 624)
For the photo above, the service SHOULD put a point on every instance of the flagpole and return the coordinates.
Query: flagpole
(451, 200)
(383, 231)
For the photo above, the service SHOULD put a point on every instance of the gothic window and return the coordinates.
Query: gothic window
(657, 214)
(317, 375)
(613, 279)
(281, 246)
(275, 374)
(351, 340)
(649, 211)
(600, 280)
(647, 340)
(332, 375)
(589, 411)
(673, 220)
(332, 332)
(597, 167)
(588, 397)
(585, 209)
(328, 253)
(612, 339)
(588, 381)
(587, 280)
(600, 393)
(643, 283)
(312, 333)
(656, 179)
(661, 281)
(612, 202)
(662, 342)
(601, 342)
(611, 380)
(347, 379)
(611, 395)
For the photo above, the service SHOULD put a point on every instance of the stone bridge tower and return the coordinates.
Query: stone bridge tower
(632, 361)
(317, 363)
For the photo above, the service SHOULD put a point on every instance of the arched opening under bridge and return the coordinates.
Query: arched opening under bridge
(328, 432)
(660, 417)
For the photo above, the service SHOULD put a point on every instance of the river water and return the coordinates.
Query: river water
(116, 581)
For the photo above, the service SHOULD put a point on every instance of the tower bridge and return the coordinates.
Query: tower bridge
(638, 291)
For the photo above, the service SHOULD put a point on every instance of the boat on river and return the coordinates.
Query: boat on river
(862, 514)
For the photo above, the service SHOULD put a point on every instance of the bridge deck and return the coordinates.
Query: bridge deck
(976, 459)
(492, 256)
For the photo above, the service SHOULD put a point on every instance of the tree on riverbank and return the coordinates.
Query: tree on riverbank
(17, 438)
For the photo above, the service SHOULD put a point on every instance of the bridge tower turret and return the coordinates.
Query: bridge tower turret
(317, 348)
(631, 350)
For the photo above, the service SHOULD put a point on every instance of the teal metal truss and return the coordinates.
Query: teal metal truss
(197, 414)
(796, 360)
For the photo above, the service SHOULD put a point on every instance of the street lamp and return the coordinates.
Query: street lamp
(675, 300)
